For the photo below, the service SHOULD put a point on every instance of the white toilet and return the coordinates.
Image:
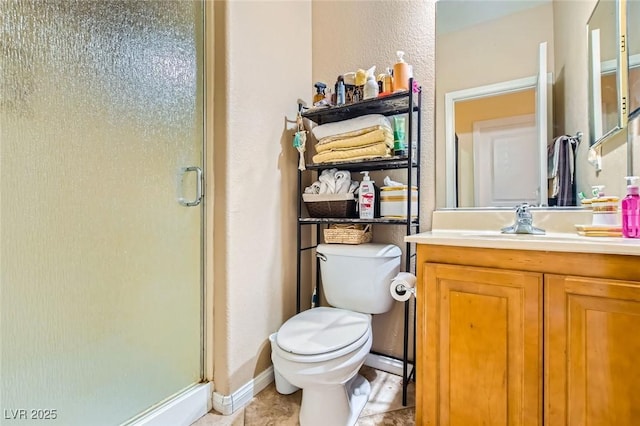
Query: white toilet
(321, 350)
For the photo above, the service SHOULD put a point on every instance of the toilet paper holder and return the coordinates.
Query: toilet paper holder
(402, 289)
(403, 286)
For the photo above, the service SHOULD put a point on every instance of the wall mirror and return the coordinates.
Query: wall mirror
(493, 43)
(607, 70)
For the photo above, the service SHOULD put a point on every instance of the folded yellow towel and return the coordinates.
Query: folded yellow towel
(379, 149)
(369, 138)
(599, 230)
(599, 234)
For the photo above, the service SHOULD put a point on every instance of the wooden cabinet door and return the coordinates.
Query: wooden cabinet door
(481, 350)
(592, 351)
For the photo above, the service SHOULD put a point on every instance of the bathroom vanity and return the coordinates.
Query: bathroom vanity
(527, 330)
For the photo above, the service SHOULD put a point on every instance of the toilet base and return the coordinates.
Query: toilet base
(346, 402)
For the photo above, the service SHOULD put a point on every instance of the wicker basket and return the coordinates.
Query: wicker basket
(330, 205)
(348, 234)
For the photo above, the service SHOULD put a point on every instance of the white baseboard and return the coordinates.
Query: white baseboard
(229, 404)
(183, 410)
(384, 363)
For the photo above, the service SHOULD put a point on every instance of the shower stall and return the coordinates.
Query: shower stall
(101, 219)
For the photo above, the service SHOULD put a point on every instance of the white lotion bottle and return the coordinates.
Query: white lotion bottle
(370, 88)
(367, 197)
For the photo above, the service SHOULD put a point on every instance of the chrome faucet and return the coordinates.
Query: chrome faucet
(524, 222)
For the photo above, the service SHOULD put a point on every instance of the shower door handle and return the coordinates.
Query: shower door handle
(199, 179)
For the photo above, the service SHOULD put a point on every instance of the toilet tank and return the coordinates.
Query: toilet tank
(357, 277)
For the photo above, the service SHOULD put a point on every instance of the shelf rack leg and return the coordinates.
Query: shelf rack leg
(299, 245)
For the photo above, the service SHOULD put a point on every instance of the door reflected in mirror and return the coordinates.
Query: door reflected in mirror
(496, 138)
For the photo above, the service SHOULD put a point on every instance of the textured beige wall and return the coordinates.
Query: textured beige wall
(263, 64)
(500, 50)
(348, 35)
(571, 103)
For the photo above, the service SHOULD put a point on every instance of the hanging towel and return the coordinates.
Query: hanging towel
(561, 169)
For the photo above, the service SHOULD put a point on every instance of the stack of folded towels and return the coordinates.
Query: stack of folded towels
(368, 136)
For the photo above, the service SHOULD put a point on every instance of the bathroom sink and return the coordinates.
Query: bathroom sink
(555, 237)
(551, 241)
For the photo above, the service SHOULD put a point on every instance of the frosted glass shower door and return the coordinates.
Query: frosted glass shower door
(101, 109)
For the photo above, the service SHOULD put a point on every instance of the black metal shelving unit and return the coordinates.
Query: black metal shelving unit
(406, 102)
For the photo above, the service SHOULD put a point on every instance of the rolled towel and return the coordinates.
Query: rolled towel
(354, 186)
(314, 188)
(343, 181)
(328, 181)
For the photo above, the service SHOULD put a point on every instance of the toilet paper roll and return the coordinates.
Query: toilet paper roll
(403, 286)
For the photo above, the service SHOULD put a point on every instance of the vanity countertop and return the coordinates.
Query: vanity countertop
(560, 241)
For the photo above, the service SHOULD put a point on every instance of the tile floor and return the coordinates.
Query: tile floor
(269, 408)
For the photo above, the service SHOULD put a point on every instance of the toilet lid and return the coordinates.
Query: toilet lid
(321, 330)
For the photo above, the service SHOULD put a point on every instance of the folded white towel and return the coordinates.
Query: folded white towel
(351, 125)
(343, 181)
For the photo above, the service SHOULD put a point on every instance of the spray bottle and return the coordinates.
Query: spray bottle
(319, 96)
(367, 197)
(631, 209)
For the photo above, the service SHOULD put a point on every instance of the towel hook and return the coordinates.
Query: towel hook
(578, 137)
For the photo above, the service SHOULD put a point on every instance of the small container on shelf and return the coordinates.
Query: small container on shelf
(348, 234)
(605, 211)
(393, 201)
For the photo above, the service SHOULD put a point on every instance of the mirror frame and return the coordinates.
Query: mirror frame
(622, 77)
(633, 61)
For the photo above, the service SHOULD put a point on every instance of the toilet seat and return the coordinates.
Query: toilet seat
(323, 333)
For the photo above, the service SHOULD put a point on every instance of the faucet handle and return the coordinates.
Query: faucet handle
(522, 211)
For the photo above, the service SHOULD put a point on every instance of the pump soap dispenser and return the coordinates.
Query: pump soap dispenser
(366, 197)
(401, 73)
(631, 209)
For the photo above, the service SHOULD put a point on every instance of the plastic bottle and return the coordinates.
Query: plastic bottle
(319, 92)
(388, 81)
(399, 147)
(401, 73)
(340, 93)
(631, 209)
(370, 88)
(367, 197)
